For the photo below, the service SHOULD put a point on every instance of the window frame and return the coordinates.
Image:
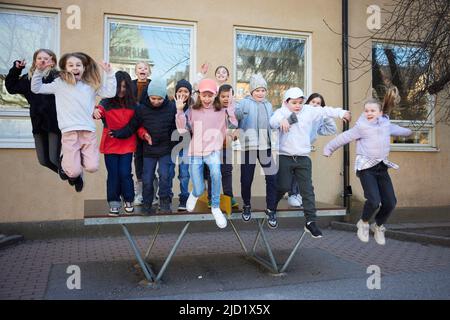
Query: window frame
(19, 114)
(153, 22)
(431, 123)
(306, 36)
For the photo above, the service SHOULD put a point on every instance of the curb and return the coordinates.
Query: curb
(399, 235)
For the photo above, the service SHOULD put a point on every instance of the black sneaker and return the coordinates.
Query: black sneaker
(164, 205)
(312, 228)
(78, 183)
(246, 213)
(182, 205)
(62, 174)
(148, 210)
(271, 218)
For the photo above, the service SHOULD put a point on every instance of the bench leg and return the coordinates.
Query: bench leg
(172, 252)
(149, 274)
(292, 253)
(152, 242)
(238, 237)
(266, 243)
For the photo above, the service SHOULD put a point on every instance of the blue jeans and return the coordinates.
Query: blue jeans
(120, 180)
(226, 169)
(148, 175)
(196, 169)
(183, 177)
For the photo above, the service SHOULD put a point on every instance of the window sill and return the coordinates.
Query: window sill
(414, 149)
(17, 144)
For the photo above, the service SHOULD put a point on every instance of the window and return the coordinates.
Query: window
(281, 58)
(400, 65)
(23, 32)
(167, 47)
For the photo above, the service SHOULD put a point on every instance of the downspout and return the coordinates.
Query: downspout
(345, 93)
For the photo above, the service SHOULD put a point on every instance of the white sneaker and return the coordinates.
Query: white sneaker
(236, 145)
(191, 202)
(378, 232)
(300, 200)
(293, 201)
(363, 231)
(138, 199)
(221, 221)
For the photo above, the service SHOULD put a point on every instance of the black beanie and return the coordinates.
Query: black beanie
(183, 84)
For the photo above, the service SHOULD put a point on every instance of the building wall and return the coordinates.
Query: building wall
(29, 192)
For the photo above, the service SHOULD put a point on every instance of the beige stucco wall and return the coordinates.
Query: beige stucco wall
(29, 192)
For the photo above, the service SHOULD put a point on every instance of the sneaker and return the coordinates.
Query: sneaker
(271, 219)
(246, 213)
(128, 206)
(363, 231)
(378, 233)
(164, 205)
(234, 203)
(114, 211)
(78, 183)
(293, 201)
(182, 205)
(62, 174)
(148, 210)
(312, 228)
(191, 202)
(300, 200)
(221, 221)
(155, 201)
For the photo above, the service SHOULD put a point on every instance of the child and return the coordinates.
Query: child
(296, 122)
(116, 112)
(223, 100)
(75, 90)
(325, 127)
(183, 91)
(221, 74)
(140, 85)
(372, 133)
(254, 113)
(156, 116)
(46, 134)
(208, 125)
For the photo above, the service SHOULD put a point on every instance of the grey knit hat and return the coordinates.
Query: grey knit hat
(257, 81)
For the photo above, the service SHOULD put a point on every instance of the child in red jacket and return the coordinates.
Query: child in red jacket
(115, 113)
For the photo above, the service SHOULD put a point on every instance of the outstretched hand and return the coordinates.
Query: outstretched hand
(20, 64)
(105, 66)
(347, 117)
(148, 138)
(41, 66)
(179, 101)
(204, 68)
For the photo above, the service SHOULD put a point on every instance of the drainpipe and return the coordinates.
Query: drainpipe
(347, 187)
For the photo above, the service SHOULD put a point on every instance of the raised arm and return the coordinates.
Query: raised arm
(109, 85)
(14, 83)
(340, 140)
(37, 86)
(396, 130)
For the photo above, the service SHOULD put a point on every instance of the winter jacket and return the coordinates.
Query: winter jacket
(115, 115)
(373, 139)
(158, 122)
(42, 107)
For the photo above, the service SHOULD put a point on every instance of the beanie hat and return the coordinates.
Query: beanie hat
(157, 87)
(293, 93)
(183, 84)
(257, 81)
(207, 85)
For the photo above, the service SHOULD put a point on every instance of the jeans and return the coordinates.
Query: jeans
(298, 167)
(247, 173)
(183, 176)
(378, 188)
(226, 169)
(148, 176)
(196, 170)
(120, 180)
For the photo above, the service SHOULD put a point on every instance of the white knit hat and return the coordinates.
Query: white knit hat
(257, 81)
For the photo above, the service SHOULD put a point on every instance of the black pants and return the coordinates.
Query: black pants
(48, 149)
(378, 189)
(139, 158)
(301, 169)
(247, 173)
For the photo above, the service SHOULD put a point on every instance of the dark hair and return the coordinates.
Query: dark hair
(222, 88)
(130, 99)
(220, 67)
(316, 95)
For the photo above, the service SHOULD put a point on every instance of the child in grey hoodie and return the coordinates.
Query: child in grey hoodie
(372, 133)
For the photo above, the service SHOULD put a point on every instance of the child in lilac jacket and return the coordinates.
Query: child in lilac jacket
(372, 133)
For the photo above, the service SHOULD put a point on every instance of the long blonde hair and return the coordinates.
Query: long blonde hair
(33, 65)
(91, 74)
(390, 100)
